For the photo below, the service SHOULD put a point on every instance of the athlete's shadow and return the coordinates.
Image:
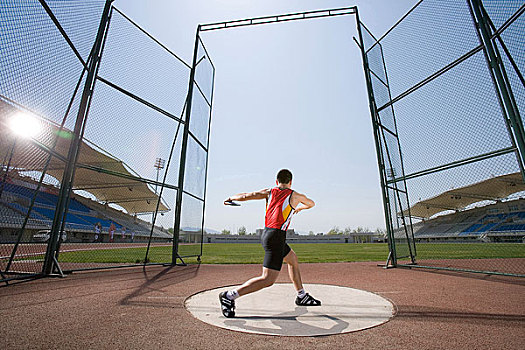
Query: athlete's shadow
(287, 321)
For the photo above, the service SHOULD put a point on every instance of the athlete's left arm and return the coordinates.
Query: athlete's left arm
(246, 196)
(301, 202)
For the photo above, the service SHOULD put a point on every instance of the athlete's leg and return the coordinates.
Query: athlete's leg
(293, 270)
(268, 278)
(303, 298)
(273, 242)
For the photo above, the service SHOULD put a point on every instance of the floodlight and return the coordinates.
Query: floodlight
(24, 125)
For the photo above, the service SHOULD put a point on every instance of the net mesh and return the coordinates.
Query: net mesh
(192, 210)
(453, 133)
(132, 144)
(40, 77)
(120, 201)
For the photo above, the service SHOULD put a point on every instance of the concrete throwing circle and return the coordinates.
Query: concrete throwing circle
(273, 311)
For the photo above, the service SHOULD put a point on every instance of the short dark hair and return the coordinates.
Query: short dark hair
(284, 176)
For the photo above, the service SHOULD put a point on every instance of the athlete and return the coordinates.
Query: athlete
(281, 203)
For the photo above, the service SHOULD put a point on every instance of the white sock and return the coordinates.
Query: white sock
(232, 294)
(301, 293)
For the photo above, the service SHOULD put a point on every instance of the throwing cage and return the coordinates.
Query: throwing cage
(99, 99)
(446, 84)
(105, 100)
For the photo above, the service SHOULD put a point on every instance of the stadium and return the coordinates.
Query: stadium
(500, 219)
(106, 178)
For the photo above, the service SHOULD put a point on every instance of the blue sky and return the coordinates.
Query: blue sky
(288, 95)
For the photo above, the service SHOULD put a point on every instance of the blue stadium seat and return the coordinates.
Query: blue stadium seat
(44, 209)
(77, 206)
(42, 197)
(510, 227)
(23, 210)
(487, 227)
(471, 229)
(48, 213)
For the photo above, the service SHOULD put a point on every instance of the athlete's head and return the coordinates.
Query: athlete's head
(284, 176)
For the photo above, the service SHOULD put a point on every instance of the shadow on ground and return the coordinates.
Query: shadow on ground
(153, 293)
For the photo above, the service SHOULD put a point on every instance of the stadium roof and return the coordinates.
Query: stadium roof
(94, 167)
(494, 189)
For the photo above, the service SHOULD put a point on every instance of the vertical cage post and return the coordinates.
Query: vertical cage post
(207, 153)
(502, 86)
(184, 149)
(67, 179)
(380, 162)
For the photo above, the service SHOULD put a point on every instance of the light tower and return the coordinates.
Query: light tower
(159, 164)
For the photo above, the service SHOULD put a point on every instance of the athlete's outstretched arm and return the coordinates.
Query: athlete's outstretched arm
(302, 201)
(247, 196)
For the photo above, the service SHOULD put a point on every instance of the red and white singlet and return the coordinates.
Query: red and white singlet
(278, 209)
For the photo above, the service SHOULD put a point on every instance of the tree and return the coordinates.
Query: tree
(242, 231)
(347, 230)
(311, 233)
(225, 232)
(334, 231)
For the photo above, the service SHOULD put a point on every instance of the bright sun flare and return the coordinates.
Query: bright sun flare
(25, 125)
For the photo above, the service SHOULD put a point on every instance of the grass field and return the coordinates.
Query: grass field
(239, 253)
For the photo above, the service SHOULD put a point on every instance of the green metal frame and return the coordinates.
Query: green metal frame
(392, 257)
(499, 78)
(51, 265)
(384, 158)
(279, 18)
(208, 136)
(487, 35)
(50, 261)
(186, 133)
(379, 130)
(182, 167)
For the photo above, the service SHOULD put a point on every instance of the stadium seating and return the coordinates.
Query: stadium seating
(77, 206)
(83, 214)
(20, 191)
(472, 228)
(23, 211)
(510, 227)
(487, 227)
(499, 222)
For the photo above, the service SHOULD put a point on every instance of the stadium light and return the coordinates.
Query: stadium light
(159, 164)
(24, 125)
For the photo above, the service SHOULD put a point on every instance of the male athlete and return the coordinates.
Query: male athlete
(281, 203)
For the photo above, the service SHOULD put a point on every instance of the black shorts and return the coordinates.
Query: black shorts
(275, 248)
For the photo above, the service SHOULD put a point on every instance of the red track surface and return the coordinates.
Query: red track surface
(144, 309)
